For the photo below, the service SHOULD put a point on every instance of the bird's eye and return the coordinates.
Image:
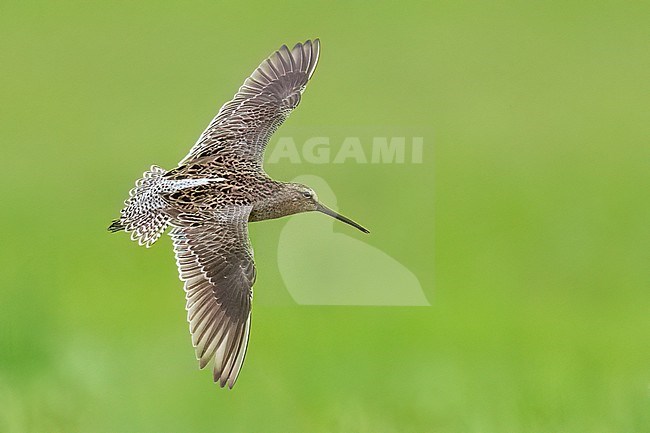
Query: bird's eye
(306, 194)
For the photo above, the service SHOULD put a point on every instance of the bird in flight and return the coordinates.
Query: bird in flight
(211, 196)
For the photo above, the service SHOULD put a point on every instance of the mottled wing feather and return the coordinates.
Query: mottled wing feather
(215, 261)
(244, 125)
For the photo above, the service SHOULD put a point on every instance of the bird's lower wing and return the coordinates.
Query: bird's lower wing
(215, 261)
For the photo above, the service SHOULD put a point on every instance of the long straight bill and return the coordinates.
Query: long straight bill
(338, 216)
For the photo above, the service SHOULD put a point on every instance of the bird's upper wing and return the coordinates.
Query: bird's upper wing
(244, 125)
(215, 260)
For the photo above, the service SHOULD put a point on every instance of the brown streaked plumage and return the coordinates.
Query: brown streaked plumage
(211, 196)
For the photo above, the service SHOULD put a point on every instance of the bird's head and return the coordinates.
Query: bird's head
(304, 199)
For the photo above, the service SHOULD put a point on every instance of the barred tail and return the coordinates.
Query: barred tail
(116, 226)
(144, 212)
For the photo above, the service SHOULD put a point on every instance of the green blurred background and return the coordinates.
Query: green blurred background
(527, 223)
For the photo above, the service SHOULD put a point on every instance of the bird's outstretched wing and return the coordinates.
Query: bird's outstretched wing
(244, 125)
(215, 261)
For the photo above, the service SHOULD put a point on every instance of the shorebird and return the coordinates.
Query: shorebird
(211, 196)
